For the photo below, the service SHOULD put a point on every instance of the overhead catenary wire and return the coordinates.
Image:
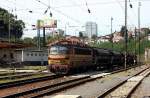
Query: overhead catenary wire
(60, 12)
(80, 7)
(48, 9)
(91, 4)
(97, 3)
(89, 11)
(85, 11)
(102, 3)
(14, 3)
(131, 21)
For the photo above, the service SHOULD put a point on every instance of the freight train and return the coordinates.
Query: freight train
(64, 58)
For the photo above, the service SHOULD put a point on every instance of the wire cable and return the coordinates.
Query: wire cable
(60, 12)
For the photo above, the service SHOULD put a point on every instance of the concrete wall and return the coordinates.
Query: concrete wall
(147, 55)
(9, 55)
(21, 56)
(29, 56)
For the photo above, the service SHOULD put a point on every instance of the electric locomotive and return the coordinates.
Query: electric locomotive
(66, 57)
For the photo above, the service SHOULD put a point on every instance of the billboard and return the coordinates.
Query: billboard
(40, 24)
(50, 23)
(47, 23)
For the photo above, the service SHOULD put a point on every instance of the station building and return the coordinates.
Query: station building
(20, 54)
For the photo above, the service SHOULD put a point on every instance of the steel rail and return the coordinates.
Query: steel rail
(41, 91)
(27, 81)
(108, 91)
(19, 75)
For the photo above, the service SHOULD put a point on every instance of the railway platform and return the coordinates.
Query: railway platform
(101, 86)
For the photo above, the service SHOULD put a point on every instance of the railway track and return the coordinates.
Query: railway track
(47, 86)
(20, 75)
(125, 88)
(10, 73)
(143, 89)
(26, 81)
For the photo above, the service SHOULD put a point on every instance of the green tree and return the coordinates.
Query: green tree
(16, 26)
(132, 46)
(80, 34)
(94, 37)
(122, 31)
(28, 40)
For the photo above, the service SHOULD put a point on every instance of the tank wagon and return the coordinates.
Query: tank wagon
(66, 57)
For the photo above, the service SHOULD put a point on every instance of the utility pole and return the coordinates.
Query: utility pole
(38, 35)
(135, 39)
(9, 36)
(9, 27)
(139, 27)
(65, 30)
(111, 32)
(44, 42)
(125, 64)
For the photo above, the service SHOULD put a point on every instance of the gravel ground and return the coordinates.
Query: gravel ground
(30, 86)
(94, 88)
(143, 89)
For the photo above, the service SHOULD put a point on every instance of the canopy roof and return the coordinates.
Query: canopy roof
(4, 44)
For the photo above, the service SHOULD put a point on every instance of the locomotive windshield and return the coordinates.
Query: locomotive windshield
(58, 50)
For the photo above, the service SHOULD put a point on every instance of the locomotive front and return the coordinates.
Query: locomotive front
(58, 59)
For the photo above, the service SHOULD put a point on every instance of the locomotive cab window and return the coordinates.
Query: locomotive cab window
(58, 50)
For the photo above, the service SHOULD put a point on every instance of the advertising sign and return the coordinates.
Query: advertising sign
(40, 24)
(50, 23)
(47, 23)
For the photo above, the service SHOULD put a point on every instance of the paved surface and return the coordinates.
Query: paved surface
(143, 89)
(94, 88)
(128, 86)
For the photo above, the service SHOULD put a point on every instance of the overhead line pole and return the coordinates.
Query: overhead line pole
(111, 32)
(139, 27)
(125, 64)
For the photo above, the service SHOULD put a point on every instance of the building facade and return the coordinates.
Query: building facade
(31, 57)
(91, 29)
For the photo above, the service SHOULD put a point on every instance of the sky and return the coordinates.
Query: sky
(72, 15)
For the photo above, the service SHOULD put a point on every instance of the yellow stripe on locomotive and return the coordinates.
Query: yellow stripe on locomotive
(61, 62)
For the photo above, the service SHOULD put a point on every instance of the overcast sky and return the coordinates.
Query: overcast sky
(73, 13)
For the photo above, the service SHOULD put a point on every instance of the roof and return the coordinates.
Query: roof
(67, 42)
(5, 44)
(28, 50)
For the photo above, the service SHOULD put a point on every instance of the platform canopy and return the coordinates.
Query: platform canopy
(12, 45)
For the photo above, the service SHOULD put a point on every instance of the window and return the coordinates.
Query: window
(58, 50)
(27, 54)
(35, 54)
